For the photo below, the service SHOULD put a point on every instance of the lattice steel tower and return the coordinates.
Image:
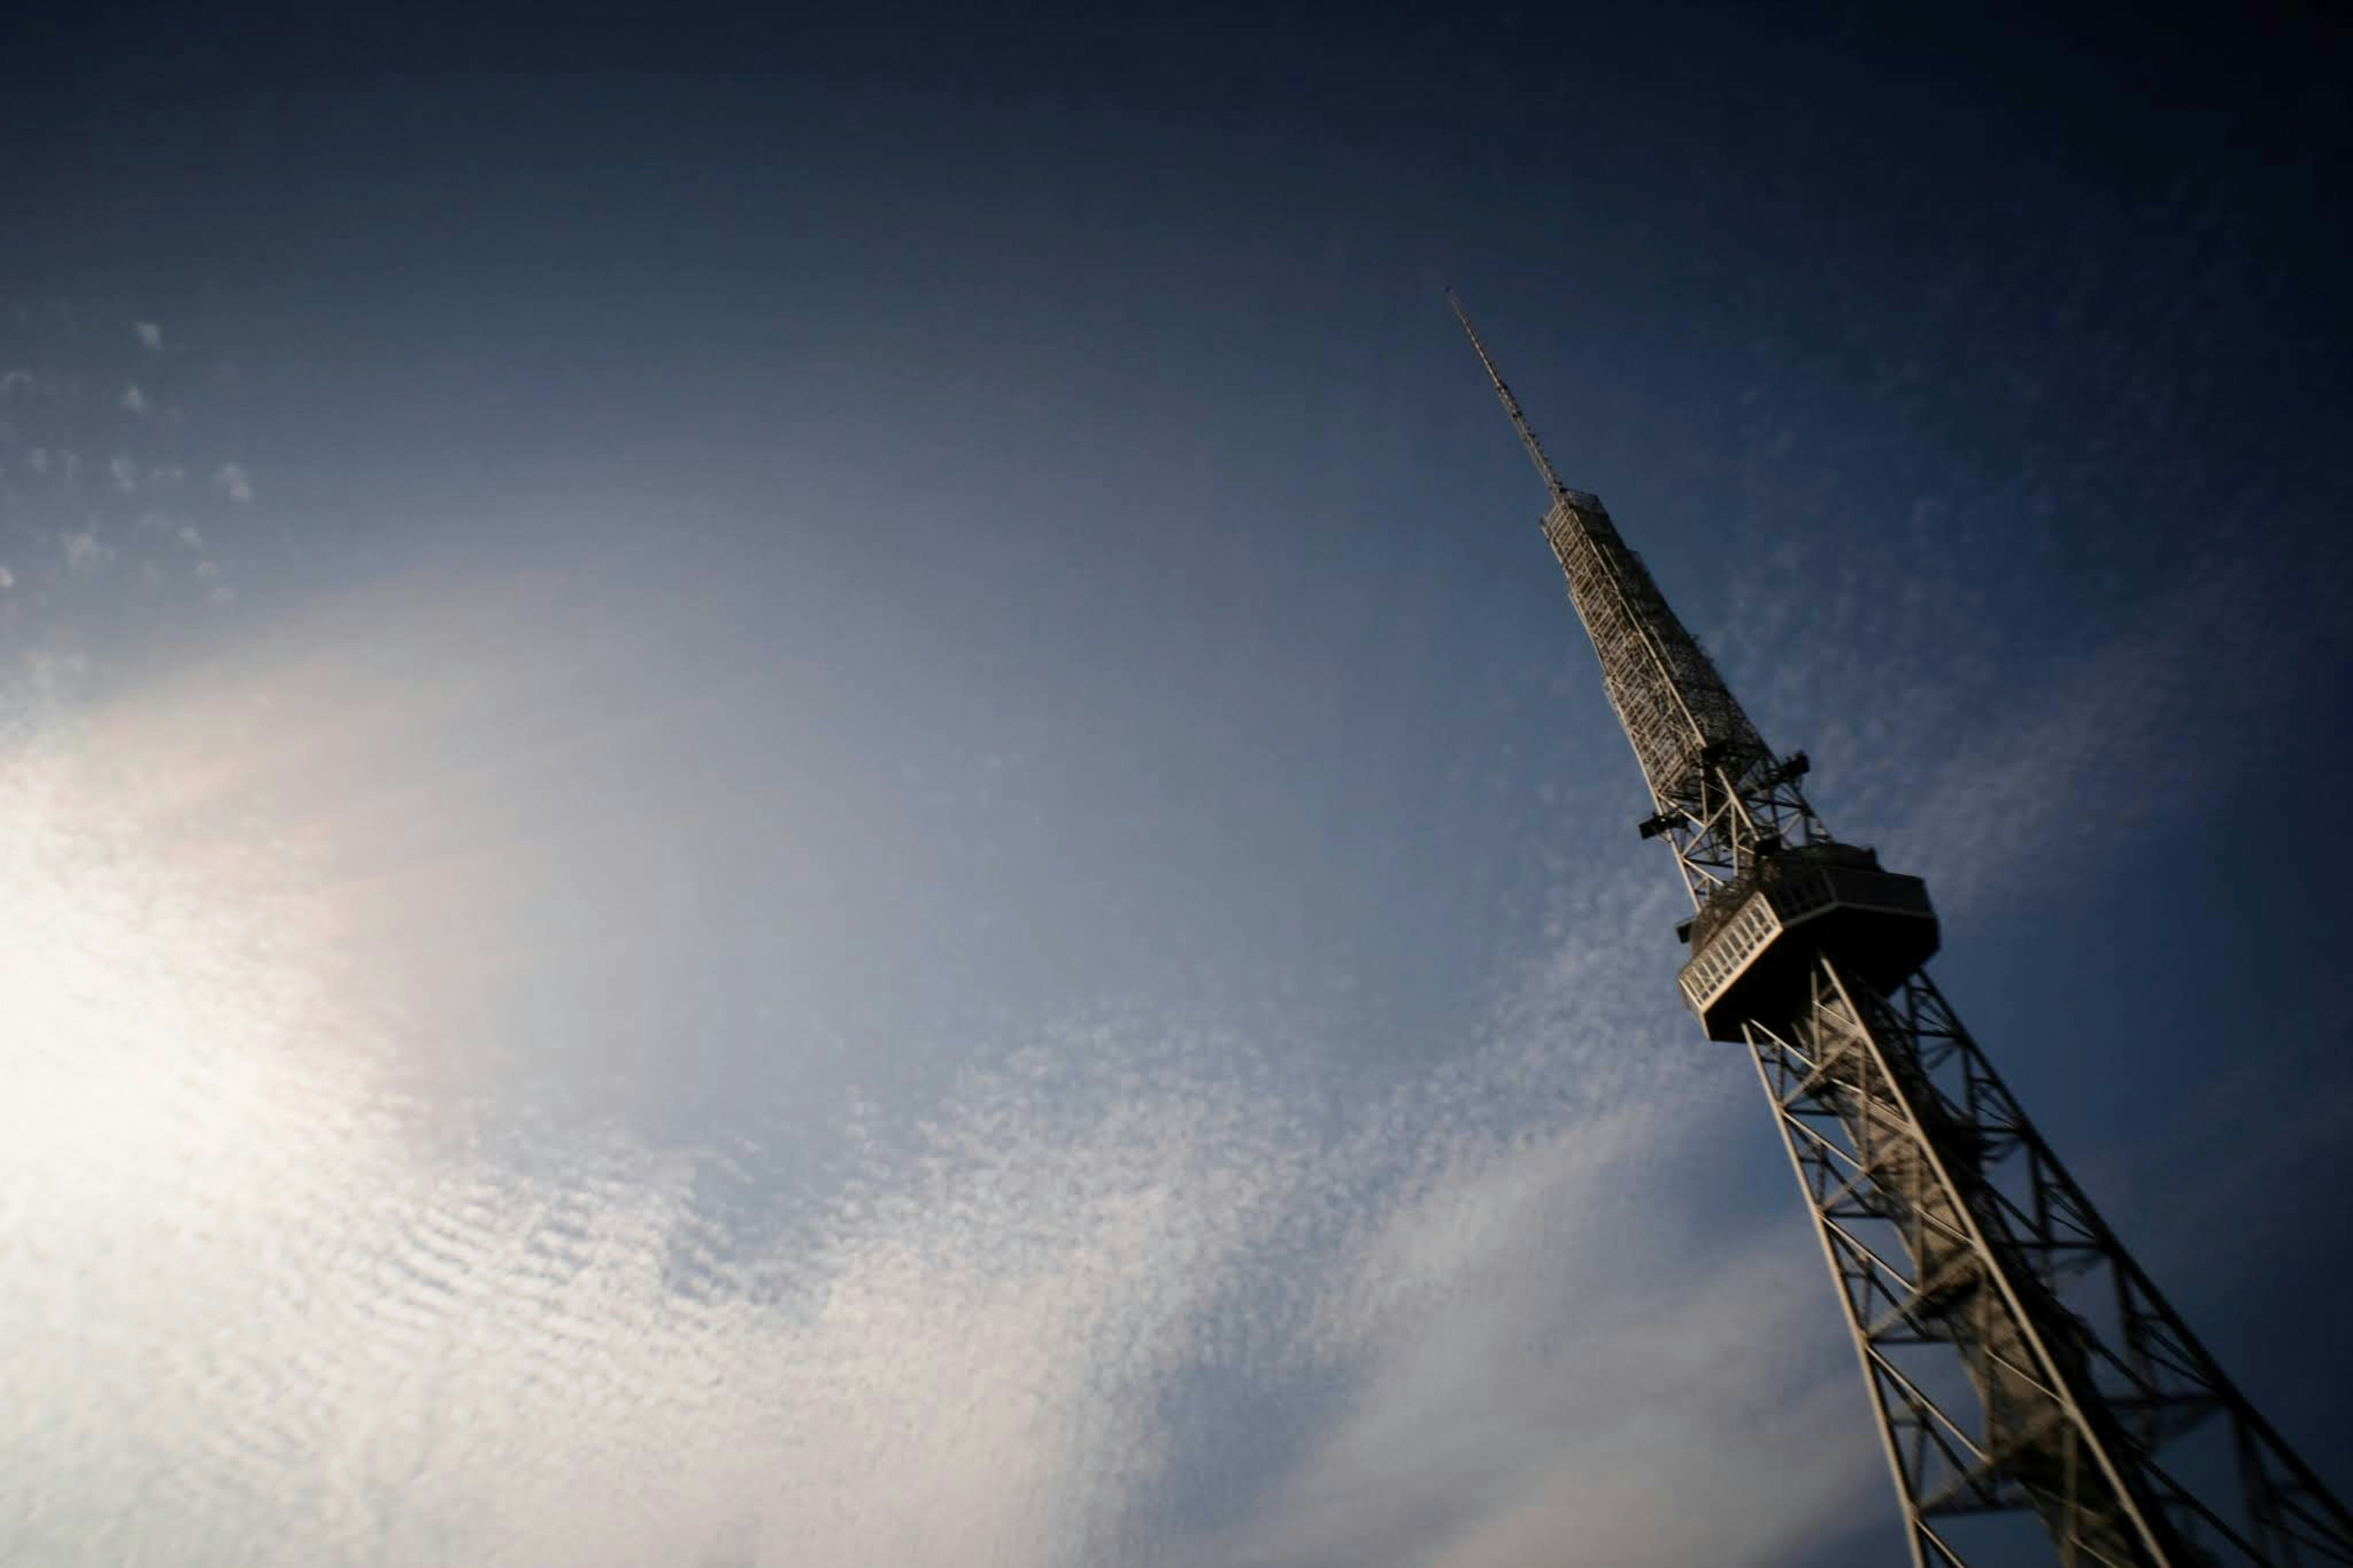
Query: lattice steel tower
(2019, 1363)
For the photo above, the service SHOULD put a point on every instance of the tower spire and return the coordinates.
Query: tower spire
(2022, 1367)
(1511, 404)
(1718, 795)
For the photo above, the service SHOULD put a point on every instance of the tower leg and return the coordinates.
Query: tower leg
(1952, 1236)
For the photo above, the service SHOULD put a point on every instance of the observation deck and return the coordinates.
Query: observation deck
(1755, 941)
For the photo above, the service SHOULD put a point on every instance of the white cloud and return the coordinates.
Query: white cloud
(1536, 1387)
(125, 473)
(133, 399)
(307, 1311)
(234, 482)
(571, 1364)
(7, 578)
(305, 1314)
(2129, 725)
(84, 551)
(150, 333)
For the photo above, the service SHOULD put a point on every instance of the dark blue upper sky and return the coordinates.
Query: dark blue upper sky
(883, 679)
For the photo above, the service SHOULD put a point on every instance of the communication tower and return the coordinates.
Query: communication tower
(2020, 1365)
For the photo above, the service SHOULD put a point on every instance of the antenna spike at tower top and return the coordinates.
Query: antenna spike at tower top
(1511, 404)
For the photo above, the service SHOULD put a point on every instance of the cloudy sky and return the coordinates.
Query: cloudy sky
(794, 787)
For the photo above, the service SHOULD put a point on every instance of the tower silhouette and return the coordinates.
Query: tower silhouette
(2020, 1365)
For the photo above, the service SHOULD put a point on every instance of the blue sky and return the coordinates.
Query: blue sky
(807, 788)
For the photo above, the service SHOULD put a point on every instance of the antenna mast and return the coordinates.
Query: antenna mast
(1511, 404)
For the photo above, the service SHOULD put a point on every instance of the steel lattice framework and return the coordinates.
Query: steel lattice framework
(2021, 1364)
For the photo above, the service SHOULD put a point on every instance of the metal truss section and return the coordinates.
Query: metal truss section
(1719, 795)
(1681, 719)
(1720, 798)
(2077, 1394)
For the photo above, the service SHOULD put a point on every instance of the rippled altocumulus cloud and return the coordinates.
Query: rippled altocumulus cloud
(298, 1278)
(278, 1299)
(299, 1275)
(286, 1313)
